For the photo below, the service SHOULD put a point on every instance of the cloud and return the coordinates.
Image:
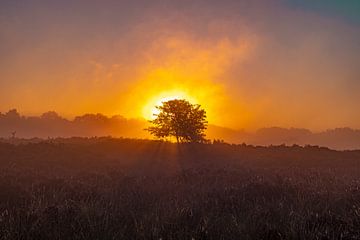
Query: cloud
(250, 63)
(181, 62)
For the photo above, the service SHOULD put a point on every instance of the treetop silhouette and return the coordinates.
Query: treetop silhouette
(180, 119)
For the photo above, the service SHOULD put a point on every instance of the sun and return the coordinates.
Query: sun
(150, 111)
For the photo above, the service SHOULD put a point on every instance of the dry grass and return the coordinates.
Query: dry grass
(133, 189)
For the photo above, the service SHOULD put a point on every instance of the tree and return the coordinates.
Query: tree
(180, 119)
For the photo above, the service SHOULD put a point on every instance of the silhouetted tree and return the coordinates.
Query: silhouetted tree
(180, 119)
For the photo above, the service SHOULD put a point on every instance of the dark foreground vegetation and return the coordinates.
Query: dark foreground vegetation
(137, 189)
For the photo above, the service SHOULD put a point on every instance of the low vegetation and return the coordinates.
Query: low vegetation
(102, 188)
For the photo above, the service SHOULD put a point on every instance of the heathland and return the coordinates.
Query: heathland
(105, 188)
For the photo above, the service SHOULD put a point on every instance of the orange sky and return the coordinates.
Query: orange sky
(249, 65)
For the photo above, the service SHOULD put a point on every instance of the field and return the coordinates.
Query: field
(103, 188)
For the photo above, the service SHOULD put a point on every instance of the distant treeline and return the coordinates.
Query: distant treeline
(339, 138)
(52, 125)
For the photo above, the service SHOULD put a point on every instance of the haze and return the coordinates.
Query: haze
(250, 64)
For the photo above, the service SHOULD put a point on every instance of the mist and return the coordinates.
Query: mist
(258, 64)
(15, 128)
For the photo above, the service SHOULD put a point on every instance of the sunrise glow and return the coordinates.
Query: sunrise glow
(173, 119)
(246, 67)
(150, 111)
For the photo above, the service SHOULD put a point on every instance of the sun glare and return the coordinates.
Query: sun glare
(150, 111)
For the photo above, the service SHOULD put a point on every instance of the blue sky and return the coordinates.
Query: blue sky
(348, 10)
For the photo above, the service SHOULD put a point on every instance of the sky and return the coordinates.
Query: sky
(250, 64)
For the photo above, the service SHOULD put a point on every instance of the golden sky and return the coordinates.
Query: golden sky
(250, 65)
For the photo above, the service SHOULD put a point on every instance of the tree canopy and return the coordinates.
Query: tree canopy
(180, 119)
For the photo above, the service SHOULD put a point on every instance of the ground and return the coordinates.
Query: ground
(103, 188)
